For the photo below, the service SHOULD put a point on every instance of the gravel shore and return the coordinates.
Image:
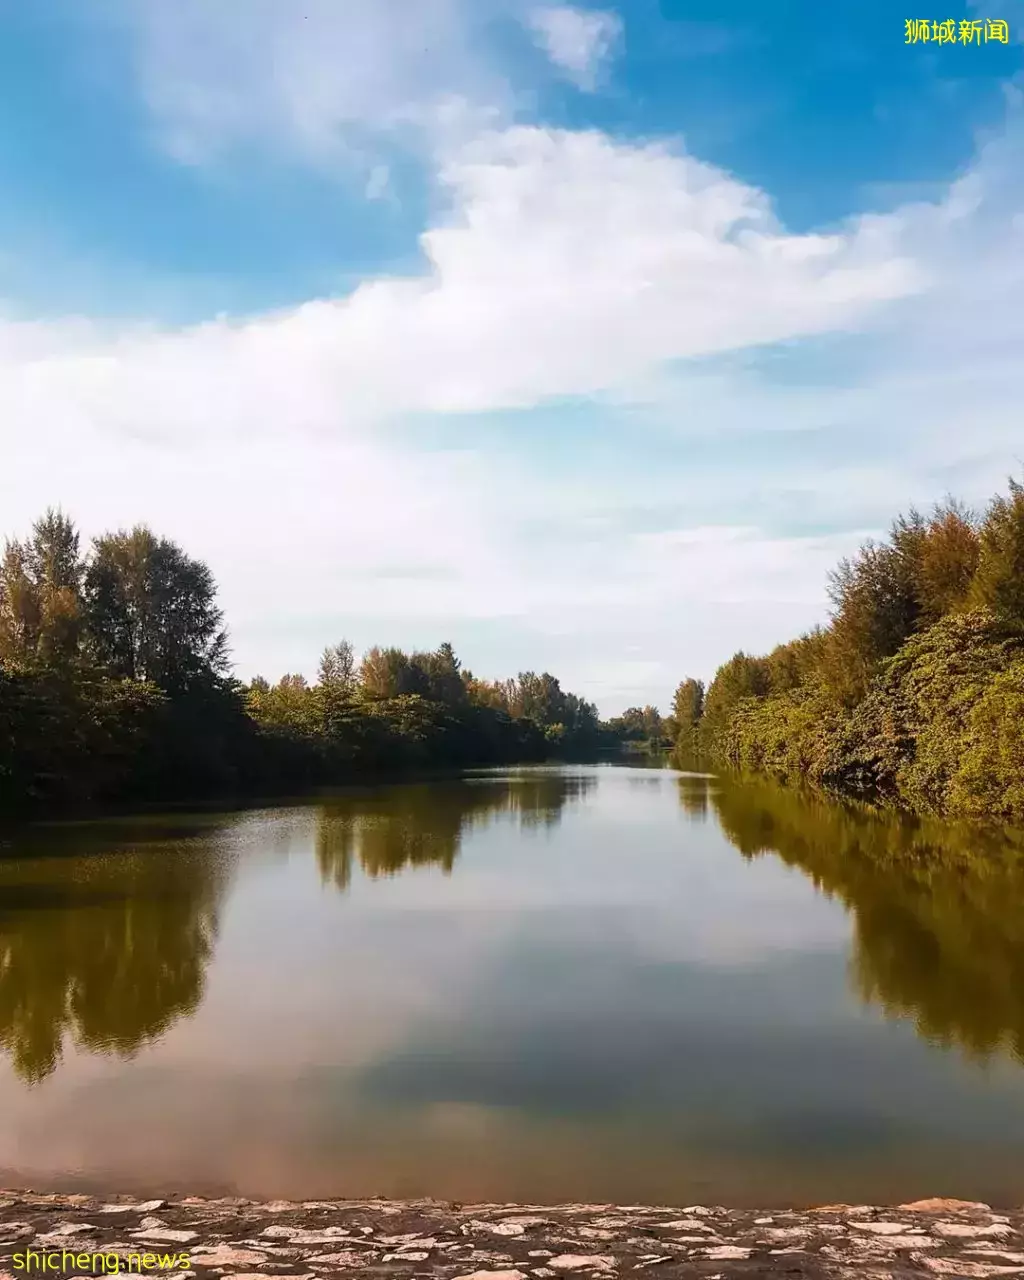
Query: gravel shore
(316, 1240)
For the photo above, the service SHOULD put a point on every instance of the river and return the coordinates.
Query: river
(543, 984)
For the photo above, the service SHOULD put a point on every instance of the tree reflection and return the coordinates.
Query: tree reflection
(938, 929)
(388, 829)
(693, 796)
(105, 950)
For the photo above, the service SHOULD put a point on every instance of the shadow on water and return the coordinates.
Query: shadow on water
(936, 907)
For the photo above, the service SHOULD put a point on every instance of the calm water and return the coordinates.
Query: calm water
(601, 984)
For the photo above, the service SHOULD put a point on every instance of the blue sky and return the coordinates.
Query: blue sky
(586, 337)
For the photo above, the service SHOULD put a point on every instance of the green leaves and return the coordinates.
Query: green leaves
(913, 694)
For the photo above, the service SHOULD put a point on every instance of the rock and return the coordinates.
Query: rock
(225, 1255)
(971, 1231)
(165, 1235)
(493, 1275)
(787, 1233)
(300, 1236)
(882, 1228)
(969, 1270)
(256, 1275)
(939, 1205)
(886, 1244)
(346, 1258)
(233, 1239)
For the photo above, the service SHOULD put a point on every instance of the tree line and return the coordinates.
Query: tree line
(912, 694)
(116, 685)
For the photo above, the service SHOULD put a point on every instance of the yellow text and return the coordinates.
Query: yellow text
(950, 31)
(99, 1263)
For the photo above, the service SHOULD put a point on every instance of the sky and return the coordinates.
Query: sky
(585, 338)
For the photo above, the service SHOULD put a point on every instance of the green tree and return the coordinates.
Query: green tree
(948, 561)
(999, 582)
(337, 670)
(389, 673)
(40, 593)
(688, 707)
(441, 672)
(875, 606)
(743, 676)
(151, 612)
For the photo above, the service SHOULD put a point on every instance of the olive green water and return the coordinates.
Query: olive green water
(603, 984)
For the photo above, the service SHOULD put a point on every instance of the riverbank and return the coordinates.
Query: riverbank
(422, 1238)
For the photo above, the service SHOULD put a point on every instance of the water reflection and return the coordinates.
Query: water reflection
(385, 830)
(938, 926)
(105, 936)
(603, 1002)
(107, 928)
(693, 796)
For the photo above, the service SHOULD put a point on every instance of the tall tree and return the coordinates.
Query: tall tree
(151, 612)
(441, 674)
(337, 670)
(875, 606)
(999, 582)
(19, 606)
(948, 561)
(389, 673)
(40, 592)
(687, 710)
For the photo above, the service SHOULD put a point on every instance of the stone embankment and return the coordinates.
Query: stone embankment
(316, 1240)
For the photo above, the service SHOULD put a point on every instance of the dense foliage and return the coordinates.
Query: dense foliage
(115, 685)
(914, 693)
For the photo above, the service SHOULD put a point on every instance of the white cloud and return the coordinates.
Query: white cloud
(334, 80)
(568, 265)
(578, 41)
(318, 81)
